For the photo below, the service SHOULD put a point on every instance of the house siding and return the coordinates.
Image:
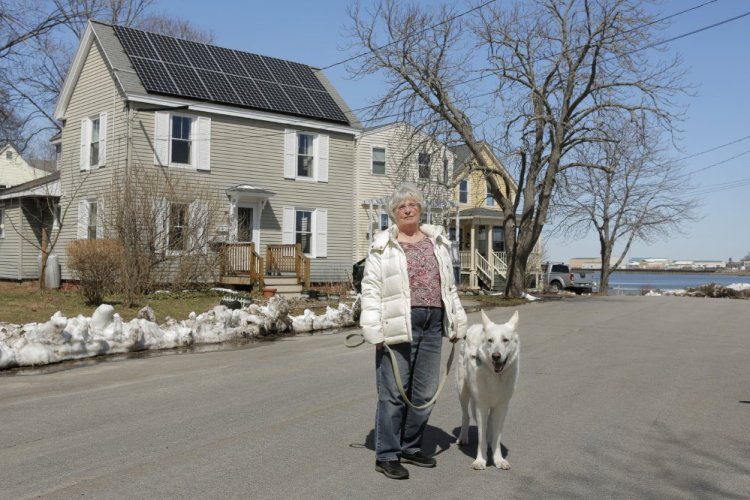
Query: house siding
(16, 171)
(10, 244)
(401, 166)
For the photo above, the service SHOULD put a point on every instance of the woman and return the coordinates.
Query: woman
(409, 301)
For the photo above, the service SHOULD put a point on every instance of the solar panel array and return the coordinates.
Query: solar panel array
(183, 68)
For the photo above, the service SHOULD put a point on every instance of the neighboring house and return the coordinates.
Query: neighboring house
(480, 221)
(388, 155)
(270, 138)
(25, 210)
(14, 170)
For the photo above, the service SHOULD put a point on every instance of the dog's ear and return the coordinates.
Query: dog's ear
(486, 321)
(513, 321)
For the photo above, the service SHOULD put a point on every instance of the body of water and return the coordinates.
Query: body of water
(633, 282)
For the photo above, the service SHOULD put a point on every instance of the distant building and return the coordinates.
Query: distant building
(709, 264)
(590, 262)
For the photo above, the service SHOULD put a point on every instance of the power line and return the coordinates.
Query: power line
(418, 32)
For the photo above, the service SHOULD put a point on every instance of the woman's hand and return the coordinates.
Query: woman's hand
(454, 340)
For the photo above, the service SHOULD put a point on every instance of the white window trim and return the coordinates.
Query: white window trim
(319, 230)
(467, 190)
(200, 141)
(320, 164)
(257, 207)
(2, 222)
(385, 158)
(84, 218)
(428, 164)
(85, 158)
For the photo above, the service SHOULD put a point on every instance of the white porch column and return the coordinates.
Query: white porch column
(472, 248)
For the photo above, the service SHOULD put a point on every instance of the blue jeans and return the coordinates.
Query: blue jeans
(399, 427)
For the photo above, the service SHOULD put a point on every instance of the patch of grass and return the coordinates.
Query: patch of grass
(498, 300)
(25, 303)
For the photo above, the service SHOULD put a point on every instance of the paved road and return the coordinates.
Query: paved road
(620, 397)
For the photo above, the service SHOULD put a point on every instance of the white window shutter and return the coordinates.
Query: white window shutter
(233, 221)
(161, 138)
(290, 154)
(202, 143)
(160, 207)
(287, 226)
(99, 219)
(85, 141)
(321, 157)
(197, 223)
(321, 232)
(102, 139)
(83, 219)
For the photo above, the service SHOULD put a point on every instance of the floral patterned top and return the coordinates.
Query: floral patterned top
(424, 275)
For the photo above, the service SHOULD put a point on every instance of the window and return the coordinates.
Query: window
(378, 161)
(2, 223)
(9, 155)
(58, 156)
(178, 219)
(305, 157)
(463, 191)
(446, 174)
(93, 217)
(384, 221)
(90, 219)
(57, 216)
(489, 200)
(244, 224)
(424, 165)
(307, 226)
(94, 141)
(181, 139)
(303, 230)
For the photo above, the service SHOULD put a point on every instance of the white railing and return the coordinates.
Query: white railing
(484, 267)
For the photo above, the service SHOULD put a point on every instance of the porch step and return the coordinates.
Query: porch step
(284, 285)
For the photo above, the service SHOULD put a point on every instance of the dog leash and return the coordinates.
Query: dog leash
(444, 371)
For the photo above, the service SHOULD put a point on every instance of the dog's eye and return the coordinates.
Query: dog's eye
(490, 340)
(505, 341)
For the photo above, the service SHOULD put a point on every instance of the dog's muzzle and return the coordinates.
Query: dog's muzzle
(498, 363)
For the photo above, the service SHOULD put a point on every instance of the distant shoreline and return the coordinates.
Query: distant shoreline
(671, 271)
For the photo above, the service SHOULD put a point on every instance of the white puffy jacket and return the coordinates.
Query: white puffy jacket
(386, 296)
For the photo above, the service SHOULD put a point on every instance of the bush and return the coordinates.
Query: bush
(96, 265)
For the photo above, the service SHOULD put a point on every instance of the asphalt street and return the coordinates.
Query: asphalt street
(619, 397)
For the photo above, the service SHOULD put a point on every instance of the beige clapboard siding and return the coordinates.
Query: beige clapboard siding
(398, 144)
(10, 245)
(95, 93)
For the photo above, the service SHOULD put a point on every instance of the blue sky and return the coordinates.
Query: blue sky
(718, 67)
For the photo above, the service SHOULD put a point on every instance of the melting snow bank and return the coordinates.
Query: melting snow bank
(61, 338)
(733, 291)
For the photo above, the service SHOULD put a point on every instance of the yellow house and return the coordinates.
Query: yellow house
(479, 222)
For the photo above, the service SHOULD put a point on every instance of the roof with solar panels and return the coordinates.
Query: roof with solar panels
(150, 64)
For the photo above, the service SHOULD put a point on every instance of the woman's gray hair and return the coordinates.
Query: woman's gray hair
(406, 191)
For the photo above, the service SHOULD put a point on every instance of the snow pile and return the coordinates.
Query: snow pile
(105, 332)
(739, 287)
(710, 290)
(528, 297)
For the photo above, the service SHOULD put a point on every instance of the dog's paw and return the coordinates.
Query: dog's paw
(502, 464)
(479, 464)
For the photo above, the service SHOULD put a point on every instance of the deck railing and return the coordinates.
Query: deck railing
(288, 259)
(242, 259)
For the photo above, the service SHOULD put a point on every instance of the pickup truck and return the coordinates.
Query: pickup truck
(557, 276)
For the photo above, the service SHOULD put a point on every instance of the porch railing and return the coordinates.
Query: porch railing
(242, 259)
(282, 259)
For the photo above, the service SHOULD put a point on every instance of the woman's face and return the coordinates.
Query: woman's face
(407, 213)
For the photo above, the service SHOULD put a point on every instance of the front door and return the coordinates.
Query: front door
(482, 240)
(244, 224)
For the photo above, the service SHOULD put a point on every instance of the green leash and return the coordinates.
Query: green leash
(394, 364)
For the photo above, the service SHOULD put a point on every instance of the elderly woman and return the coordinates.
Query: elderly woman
(409, 301)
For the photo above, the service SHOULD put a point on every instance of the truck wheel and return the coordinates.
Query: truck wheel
(555, 286)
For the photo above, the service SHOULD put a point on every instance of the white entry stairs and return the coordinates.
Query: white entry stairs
(284, 285)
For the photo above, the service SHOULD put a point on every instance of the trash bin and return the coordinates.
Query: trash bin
(358, 272)
(52, 273)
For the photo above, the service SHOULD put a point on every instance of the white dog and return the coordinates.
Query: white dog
(488, 366)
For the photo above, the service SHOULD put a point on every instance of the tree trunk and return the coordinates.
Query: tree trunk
(605, 270)
(45, 256)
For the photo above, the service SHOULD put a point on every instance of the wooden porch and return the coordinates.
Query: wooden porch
(491, 272)
(284, 267)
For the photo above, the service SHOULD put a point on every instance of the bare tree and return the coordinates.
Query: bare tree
(33, 69)
(638, 195)
(162, 221)
(558, 68)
